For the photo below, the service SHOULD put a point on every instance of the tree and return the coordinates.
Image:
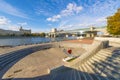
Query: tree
(42, 34)
(113, 24)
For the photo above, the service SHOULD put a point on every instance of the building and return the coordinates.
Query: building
(10, 32)
(24, 31)
(53, 30)
(91, 33)
(53, 33)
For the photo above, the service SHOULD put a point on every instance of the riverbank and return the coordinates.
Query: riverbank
(4, 50)
(7, 49)
(36, 64)
(39, 61)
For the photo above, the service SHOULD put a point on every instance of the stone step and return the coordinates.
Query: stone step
(113, 49)
(110, 49)
(108, 53)
(113, 60)
(110, 64)
(93, 74)
(78, 73)
(4, 63)
(98, 71)
(88, 77)
(107, 72)
(104, 69)
(13, 58)
(15, 53)
(97, 76)
(75, 77)
(63, 75)
(83, 77)
(71, 75)
(109, 59)
(104, 53)
(7, 56)
(107, 66)
(19, 53)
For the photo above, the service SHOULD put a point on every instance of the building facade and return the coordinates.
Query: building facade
(24, 31)
(53, 33)
(10, 32)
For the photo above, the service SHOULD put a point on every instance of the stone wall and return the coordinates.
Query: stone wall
(73, 45)
(111, 39)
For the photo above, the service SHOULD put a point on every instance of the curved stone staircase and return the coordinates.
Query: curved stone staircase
(103, 65)
(10, 57)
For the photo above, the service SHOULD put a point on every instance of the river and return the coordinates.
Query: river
(15, 41)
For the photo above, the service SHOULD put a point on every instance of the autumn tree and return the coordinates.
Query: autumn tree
(113, 24)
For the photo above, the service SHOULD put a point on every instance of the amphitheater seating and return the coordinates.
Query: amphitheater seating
(104, 65)
(10, 57)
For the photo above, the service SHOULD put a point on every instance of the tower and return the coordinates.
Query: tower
(20, 28)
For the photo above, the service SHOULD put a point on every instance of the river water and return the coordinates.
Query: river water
(15, 41)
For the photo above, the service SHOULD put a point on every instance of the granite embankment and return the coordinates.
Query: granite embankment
(32, 60)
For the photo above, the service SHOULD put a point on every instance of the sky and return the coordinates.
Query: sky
(43, 15)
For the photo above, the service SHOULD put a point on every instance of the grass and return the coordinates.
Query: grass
(71, 59)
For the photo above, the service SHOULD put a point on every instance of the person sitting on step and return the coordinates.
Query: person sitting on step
(69, 51)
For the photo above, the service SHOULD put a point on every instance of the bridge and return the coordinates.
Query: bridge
(87, 32)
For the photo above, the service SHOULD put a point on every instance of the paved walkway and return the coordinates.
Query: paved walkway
(84, 41)
(37, 63)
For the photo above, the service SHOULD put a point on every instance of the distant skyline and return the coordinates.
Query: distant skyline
(42, 15)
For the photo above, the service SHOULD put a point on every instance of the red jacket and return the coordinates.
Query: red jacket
(69, 51)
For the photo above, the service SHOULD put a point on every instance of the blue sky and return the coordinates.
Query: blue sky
(42, 15)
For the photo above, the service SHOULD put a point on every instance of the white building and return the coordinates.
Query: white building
(53, 30)
(53, 33)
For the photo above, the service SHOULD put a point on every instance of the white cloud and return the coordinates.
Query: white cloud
(106, 7)
(67, 26)
(6, 24)
(23, 24)
(54, 18)
(71, 9)
(4, 20)
(103, 19)
(95, 15)
(82, 22)
(76, 26)
(13, 27)
(9, 9)
(35, 30)
(10, 27)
